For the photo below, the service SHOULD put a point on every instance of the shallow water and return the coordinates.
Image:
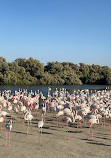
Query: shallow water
(44, 88)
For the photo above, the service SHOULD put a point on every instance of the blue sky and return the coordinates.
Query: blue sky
(56, 30)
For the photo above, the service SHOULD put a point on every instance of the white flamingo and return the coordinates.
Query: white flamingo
(28, 117)
(93, 120)
(40, 125)
(4, 114)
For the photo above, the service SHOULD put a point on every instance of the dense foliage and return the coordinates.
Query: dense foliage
(31, 72)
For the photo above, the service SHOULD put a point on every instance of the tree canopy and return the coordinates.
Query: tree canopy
(31, 72)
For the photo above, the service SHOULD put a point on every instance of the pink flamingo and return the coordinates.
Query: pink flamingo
(67, 120)
(8, 128)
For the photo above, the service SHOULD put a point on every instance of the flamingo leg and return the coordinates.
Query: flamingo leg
(58, 121)
(83, 121)
(44, 118)
(110, 126)
(53, 114)
(104, 120)
(89, 131)
(6, 140)
(65, 133)
(99, 126)
(15, 118)
(41, 130)
(23, 123)
(28, 127)
(80, 126)
(92, 132)
(9, 140)
(53, 120)
(41, 134)
(100, 120)
(5, 122)
(11, 114)
(77, 125)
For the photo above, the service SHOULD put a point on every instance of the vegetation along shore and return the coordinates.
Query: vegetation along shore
(31, 72)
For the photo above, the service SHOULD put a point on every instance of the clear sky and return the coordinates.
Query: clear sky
(56, 30)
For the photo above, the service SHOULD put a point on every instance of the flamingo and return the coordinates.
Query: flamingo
(4, 114)
(9, 128)
(28, 117)
(93, 120)
(1, 120)
(23, 109)
(40, 125)
(4, 104)
(43, 110)
(9, 107)
(67, 120)
(36, 107)
(79, 118)
(59, 114)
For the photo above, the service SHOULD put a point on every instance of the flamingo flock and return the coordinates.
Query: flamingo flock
(82, 108)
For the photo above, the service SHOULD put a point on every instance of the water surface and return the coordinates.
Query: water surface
(44, 88)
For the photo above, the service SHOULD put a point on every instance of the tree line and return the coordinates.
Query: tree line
(31, 72)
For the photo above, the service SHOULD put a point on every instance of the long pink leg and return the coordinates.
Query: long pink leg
(53, 121)
(92, 132)
(5, 122)
(104, 120)
(110, 126)
(33, 108)
(57, 121)
(15, 118)
(51, 112)
(53, 118)
(23, 123)
(11, 114)
(9, 140)
(99, 126)
(89, 131)
(6, 139)
(65, 133)
(77, 125)
(28, 127)
(80, 126)
(101, 120)
(43, 117)
(83, 121)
